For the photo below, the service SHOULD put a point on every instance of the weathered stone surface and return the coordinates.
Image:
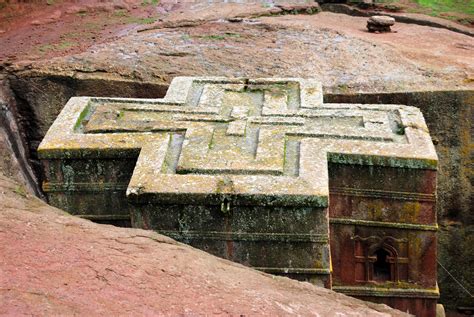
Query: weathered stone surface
(382, 20)
(56, 264)
(380, 23)
(90, 128)
(239, 167)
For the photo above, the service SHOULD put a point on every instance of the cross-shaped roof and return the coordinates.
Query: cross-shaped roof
(262, 140)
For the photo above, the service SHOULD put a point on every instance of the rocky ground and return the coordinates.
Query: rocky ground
(197, 38)
(56, 264)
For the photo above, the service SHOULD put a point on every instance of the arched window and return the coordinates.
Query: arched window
(382, 267)
(377, 259)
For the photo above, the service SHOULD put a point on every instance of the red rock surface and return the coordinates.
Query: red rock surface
(52, 263)
(194, 38)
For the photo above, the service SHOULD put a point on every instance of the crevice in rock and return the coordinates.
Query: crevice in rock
(16, 140)
(29, 131)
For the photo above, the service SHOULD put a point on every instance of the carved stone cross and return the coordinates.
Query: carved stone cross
(261, 140)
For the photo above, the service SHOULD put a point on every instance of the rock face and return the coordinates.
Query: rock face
(55, 264)
(380, 23)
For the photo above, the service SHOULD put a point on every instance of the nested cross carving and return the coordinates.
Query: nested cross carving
(264, 139)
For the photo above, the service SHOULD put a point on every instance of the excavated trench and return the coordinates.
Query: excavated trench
(30, 102)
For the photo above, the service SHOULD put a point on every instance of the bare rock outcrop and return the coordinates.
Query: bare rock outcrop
(55, 264)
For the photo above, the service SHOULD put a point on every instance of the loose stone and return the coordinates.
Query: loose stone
(380, 23)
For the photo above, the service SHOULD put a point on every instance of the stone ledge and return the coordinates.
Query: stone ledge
(51, 187)
(247, 236)
(104, 217)
(293, 270)
(387, 292)
(346, 191)
(367, 223)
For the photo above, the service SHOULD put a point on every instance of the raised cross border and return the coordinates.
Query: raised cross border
(255, 140)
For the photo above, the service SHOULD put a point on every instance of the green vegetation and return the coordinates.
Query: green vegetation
(440, 6)
(75, 35)
(149, 2)
(20, 191)
(121, 13)
(120, 114)
(61, 46)
(49, 2)
(126, 18)
(343, 88)
(64, 45)
(82, 116)
(94, 25)
(219, 37)
(137, 20)
(459, 10)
